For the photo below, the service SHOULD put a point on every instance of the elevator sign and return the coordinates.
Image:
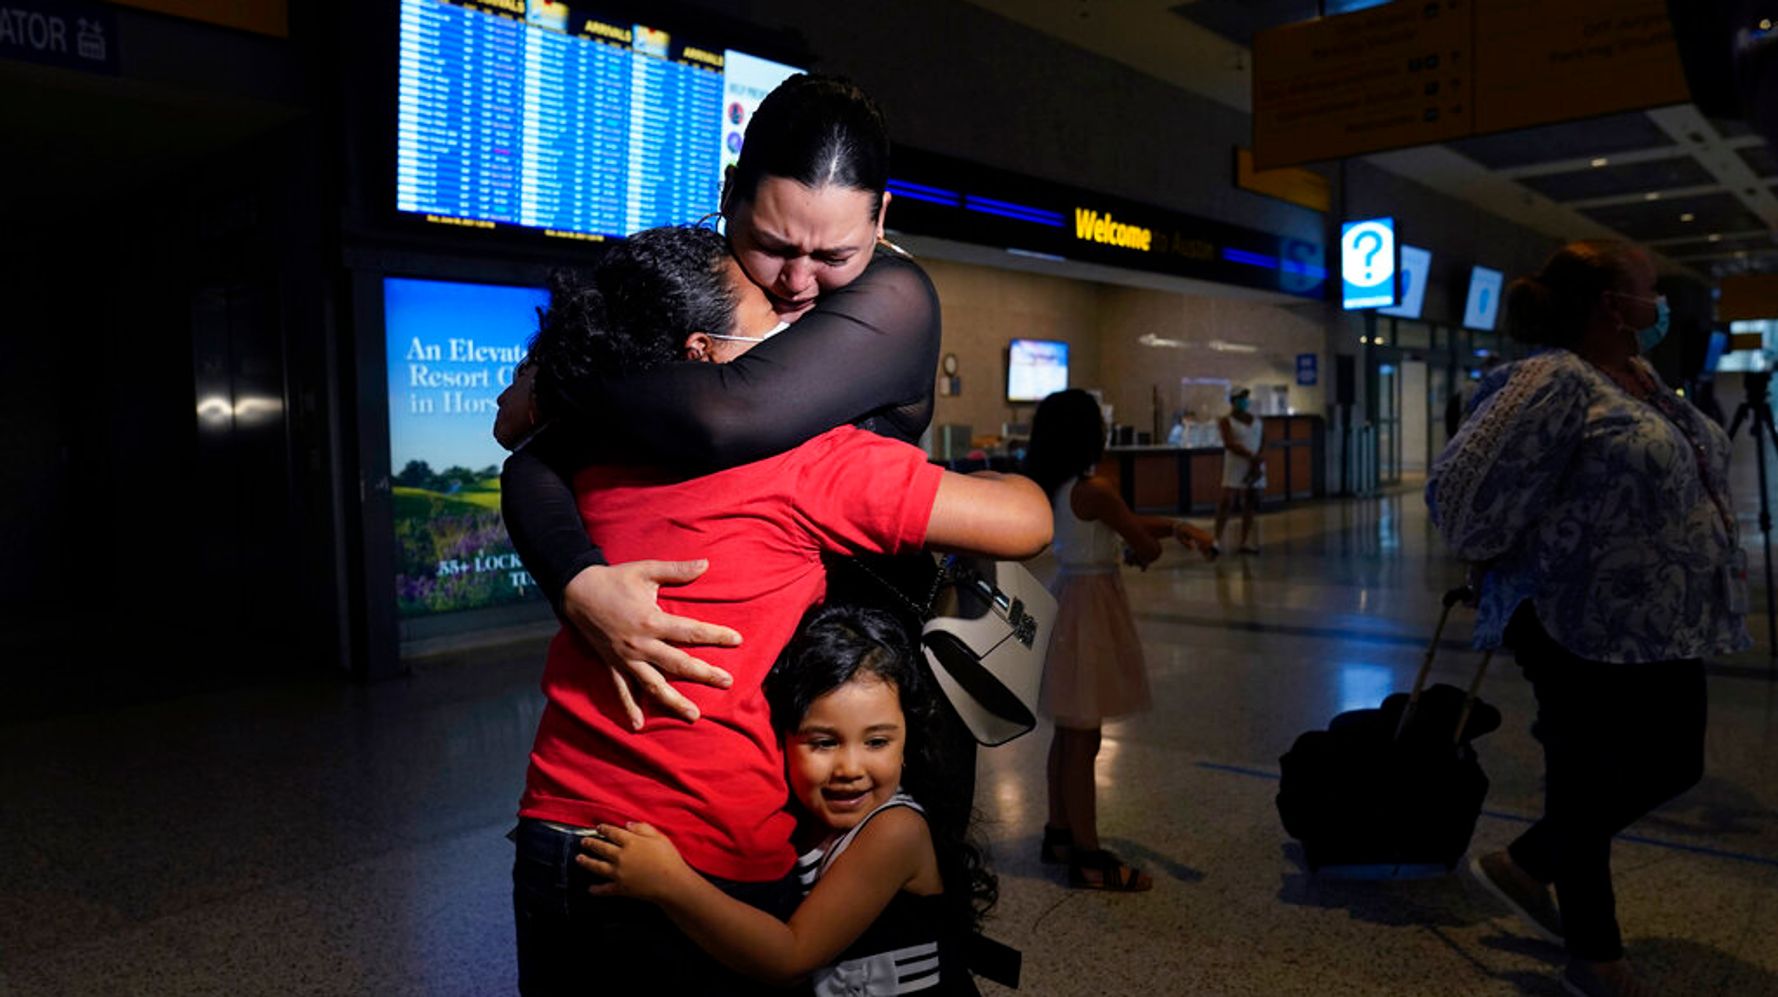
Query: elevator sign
(1367, 263)
(60, 33)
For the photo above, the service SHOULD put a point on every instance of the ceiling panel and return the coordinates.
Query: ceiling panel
(1662, 219)
(1731, 127)
(1759, 158)
(1752, 263)
(1726, 244)
(1628, 178)
(1569, 140)
(1673, 164)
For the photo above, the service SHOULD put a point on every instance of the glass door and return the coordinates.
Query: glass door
(1388, 421)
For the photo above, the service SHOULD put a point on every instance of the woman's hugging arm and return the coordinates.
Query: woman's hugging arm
(869, 346)
(613, 607)
(542, 517)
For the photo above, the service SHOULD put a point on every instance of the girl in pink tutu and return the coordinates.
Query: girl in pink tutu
(1095, 668)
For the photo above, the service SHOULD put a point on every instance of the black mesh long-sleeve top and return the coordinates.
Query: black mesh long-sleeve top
(866, 354)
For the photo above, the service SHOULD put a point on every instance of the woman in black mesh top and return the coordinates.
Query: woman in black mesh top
(804, 210)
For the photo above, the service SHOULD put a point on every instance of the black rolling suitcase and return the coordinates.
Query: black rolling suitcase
(1396, 786)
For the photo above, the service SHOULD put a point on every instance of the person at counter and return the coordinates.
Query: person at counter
(1243, 468)
(1176, 435)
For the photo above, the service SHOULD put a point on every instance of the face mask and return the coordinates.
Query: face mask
(1647, 339)
(769, 333)
(1240, 404)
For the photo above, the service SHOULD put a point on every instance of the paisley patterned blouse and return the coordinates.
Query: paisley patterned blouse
(1610, 514)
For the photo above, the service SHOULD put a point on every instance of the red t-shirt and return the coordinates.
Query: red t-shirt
(716, 787)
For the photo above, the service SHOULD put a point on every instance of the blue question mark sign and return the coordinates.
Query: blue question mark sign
(1369, 242)
(1367, 263)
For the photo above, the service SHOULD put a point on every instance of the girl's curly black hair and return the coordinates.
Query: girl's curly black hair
(837, 643)
(632, 310)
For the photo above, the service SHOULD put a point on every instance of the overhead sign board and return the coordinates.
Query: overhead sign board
(1393, 76)
(950, 198)
(1367, 263)
(1748, 296)
(267, 17)
(1416, 73)
(1538, 62)
(1300, 187)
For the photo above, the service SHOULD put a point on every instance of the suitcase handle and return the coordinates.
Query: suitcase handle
(1462, 593)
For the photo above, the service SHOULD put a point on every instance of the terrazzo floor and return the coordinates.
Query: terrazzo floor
(321, 838)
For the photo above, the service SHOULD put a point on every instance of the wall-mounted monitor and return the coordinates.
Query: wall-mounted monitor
(1482, 308)
(1746, 348)
(1416, 264)
(450, 350)
(564, 120)
(1367, 263)
(1035, 368)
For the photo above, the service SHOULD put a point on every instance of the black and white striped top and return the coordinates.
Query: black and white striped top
(898, 953)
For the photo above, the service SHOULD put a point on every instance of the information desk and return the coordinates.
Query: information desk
(1177, 480)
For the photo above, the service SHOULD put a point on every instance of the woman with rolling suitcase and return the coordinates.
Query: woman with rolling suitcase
(1597, 501)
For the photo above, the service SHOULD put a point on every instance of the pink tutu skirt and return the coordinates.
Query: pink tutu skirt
(1095, 668)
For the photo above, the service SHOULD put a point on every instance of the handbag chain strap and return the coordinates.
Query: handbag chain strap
(939, 578)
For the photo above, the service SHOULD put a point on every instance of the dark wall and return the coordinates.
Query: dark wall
(956, 79)
(168, 500)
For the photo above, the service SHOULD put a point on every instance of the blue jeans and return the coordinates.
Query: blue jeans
(570, 942)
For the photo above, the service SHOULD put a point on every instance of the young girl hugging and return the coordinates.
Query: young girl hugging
(892, 886)
(1095, 668)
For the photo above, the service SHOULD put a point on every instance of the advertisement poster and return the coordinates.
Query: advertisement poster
(451, 350)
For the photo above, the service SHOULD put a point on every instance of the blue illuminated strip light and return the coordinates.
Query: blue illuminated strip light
(921, 192)
(1274, 263)
(1251, 259)
(1007, 209)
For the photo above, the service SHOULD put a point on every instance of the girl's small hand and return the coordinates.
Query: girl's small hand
(1196, 539)
(635, 860)
(1139, 559)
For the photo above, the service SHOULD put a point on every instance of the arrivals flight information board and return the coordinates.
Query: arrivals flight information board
(540, 115)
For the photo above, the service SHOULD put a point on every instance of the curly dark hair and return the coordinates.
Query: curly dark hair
(1067, 438)
(632, 310)
(834, 645)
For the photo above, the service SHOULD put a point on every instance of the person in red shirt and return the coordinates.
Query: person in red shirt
(715, 785)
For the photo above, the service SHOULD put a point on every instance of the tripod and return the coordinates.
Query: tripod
(1758, 405)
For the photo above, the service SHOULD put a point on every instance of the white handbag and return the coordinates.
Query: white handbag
(987, 642)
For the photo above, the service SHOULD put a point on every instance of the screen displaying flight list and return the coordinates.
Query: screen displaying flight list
(542, 115)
